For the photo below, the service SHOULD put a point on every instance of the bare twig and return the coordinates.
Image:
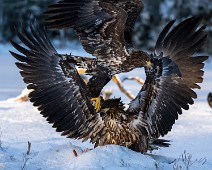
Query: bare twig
(29, 147)
(75, 153)
(25, 159)
(1, 147)
(124, 164)
(0, 139)
(25, 156)
(186, 158)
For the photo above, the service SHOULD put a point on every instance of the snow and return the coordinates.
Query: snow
(191, 136)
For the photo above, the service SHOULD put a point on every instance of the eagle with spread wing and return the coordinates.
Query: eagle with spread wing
(62, 96)
(105, 30)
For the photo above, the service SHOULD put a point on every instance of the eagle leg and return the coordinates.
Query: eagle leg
(97, 100)
(81, 70)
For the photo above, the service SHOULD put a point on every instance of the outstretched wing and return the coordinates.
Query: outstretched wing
(58, 90)
(180, 44)
(169, 84)
(100, 25)
(133, 9)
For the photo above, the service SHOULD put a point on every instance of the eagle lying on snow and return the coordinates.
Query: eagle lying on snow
(62, 96)
(105, 30)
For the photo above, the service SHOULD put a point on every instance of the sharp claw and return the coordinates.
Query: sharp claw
(81, 70)
(97, 103)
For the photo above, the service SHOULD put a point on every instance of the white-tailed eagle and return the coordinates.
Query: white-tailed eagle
(62, 96)
(105, 30)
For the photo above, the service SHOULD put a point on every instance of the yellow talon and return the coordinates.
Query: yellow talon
(97, 102)
(81, 70)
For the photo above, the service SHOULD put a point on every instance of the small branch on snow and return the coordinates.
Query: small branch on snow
(186, 158)
(0, 140)
(1, 147)
(29, 148)
(25, 156)
(75, 153)
(25, 159)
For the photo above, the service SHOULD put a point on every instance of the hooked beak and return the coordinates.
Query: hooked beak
(149, 64)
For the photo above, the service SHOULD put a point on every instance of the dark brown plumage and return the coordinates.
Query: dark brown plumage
(89, 15)
(105, 30)
(210, 99)
(61, 95)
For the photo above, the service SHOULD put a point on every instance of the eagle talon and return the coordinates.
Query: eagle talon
(97, 103)
(81, 70)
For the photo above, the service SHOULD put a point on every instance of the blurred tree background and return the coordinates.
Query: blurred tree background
(156, 15)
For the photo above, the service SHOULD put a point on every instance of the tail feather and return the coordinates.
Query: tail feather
(157, 143)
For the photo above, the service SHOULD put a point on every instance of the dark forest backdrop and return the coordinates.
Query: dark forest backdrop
(156, 14)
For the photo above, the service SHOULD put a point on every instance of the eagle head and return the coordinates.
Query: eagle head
(141, 59)
(113, 109)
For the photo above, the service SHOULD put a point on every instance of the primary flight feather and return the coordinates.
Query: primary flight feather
(105, 29)
(62, 96)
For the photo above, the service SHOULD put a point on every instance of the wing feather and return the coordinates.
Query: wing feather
(133, 9)
(104, 26)
(58, 92)
(170, 84)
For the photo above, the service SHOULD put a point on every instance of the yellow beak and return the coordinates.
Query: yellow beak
(149, 64)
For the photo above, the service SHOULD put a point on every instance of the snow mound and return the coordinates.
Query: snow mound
(21, 122)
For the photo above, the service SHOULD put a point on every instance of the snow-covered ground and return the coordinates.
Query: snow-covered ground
(191, 136)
